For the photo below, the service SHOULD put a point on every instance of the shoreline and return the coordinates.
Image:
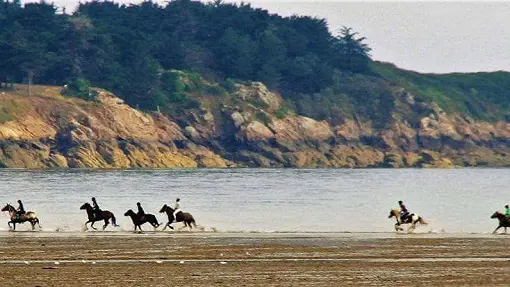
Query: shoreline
(249, 234)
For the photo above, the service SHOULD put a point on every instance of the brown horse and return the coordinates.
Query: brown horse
(185, 217)
(102, 215)
(20, 218)
(413, 219)
(504, 221)
(139, 220)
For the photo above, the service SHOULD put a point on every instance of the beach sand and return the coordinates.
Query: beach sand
(216, 259)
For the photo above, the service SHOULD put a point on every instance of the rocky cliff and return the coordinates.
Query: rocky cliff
(248, 127)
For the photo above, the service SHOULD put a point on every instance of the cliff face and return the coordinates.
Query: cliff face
(245, 128)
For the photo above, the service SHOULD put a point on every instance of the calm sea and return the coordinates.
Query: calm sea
(267, 200)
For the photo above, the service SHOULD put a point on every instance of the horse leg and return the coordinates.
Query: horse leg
(92, 225)
(38, 223)
(496, 229)
(105, 223)
(85, 225)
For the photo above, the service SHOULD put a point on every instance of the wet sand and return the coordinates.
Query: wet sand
(215, 259)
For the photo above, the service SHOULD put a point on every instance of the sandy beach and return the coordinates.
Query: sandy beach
(207, 259)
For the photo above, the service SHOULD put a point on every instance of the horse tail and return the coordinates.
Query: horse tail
(152, 219)
(422, 221)
(114, 221)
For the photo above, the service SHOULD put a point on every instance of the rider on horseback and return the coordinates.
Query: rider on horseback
(404, 213)
(177, 208)
(20, 210)
(96, 208)
(141, 212)
(507, 211)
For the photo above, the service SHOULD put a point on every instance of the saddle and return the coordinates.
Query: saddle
(406, 218)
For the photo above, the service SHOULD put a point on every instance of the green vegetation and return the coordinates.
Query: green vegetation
(9, 109)
(481, 95)
(169, 57)
(133, 49)
(281, 112)
(79, 88)
(263, 117)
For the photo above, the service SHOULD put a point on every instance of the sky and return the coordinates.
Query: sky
(427, 36)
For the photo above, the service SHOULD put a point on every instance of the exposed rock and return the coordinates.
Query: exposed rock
(53, 131)
(238, 119)
(256, 131)
(192, 133)
(258, 92)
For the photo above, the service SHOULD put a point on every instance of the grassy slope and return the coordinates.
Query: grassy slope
(484, 96)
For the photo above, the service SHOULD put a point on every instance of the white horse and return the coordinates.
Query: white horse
(413, 219)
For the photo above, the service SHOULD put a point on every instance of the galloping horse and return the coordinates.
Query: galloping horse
(504, 221)
(139, 220)
(22, 218)
(185, 217)
(413, 219)
(103, 215)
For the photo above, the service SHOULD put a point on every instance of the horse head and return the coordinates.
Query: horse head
(393, 212)
(166, 209)
(86, 205)
(496, 214)
(129, 213)
(8, 207)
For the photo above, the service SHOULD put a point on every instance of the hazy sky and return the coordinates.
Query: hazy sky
(422, 36)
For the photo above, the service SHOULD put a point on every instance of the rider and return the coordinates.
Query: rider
(95, 208)
(140, 213)
(404, 213)
(507, 210)
(177, 208)
(21, 209)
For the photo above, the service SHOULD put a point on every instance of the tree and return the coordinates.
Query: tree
(350, 53)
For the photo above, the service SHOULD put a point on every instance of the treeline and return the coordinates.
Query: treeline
(129, 49)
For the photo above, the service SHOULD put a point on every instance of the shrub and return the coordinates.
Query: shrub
(79, 88)
(263, 117)
(281, 112)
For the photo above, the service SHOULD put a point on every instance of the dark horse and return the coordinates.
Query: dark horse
(504, 221)
(139, 220)
(102, 215)
(185, 217)
(22, 218)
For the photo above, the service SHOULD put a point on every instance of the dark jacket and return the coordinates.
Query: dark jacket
(95, 206)
(140, 210)
(21, 209)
